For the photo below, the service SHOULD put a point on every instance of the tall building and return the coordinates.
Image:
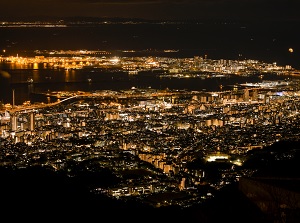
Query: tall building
(13, 122)
(182, 184)
(246, 95)
(255, 95)
(32, 121)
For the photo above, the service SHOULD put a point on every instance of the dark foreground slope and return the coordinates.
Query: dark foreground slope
(39, 193)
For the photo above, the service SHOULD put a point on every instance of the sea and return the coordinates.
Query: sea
(269, 42)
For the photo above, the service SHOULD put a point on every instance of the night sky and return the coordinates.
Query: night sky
(155, 9)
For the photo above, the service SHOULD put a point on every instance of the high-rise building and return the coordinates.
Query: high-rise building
(32, 121)
(255, 95)
(182, 184)
(13, 122)
(246, 95)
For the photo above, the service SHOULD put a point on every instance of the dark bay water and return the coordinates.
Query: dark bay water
(268, 42)
(48, 80)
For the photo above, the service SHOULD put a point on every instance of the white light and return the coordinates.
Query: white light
(114, 60)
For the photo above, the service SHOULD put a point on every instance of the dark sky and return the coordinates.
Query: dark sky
(155, 9)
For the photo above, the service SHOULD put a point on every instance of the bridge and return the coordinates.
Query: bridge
(82, 95)
(33, 107)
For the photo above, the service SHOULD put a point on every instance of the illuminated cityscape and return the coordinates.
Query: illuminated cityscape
(180, 67)
(160, 145)
(188, 112)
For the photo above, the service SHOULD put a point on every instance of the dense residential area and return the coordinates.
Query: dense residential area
(155, 149)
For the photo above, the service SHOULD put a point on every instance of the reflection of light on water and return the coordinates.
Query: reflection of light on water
(35, 66)
(67, 77)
